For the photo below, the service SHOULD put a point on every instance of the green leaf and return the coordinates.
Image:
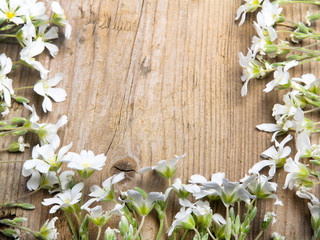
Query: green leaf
(84, 229)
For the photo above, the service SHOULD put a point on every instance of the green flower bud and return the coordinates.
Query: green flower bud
(27, 206)
(253, 213)
(314, 17)
(14, 147)
(303, 28)
(236, 225)
(20, 99)
(18, 120)
(20, 133)
(189, 223)
(19, 219)
(109, 234)
(315, 162)
(267, 220)
(12, 233)
(271, 49)
(123, 225)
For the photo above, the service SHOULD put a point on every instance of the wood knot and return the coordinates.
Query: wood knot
(125, 164)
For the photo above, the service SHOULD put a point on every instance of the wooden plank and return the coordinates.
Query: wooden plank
(148, 79)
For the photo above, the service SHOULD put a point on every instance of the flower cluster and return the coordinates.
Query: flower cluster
(302, 98)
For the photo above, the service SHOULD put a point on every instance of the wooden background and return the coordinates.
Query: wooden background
(148, 79)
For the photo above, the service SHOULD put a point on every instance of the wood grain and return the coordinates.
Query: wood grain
(148, 79)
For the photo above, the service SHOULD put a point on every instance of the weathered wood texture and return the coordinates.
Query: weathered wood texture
(148, 79)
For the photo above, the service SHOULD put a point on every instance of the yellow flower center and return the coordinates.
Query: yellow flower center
(86, 165)
(10, 15)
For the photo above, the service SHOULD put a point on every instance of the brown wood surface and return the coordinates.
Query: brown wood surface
(148, 79)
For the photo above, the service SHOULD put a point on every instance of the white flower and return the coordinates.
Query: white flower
(33, 118)
(32, 49)
(276, 157)
(307, 79)
(44, 87)
(48, 230)
(210, 193)
(296, 172)
(86, 162)
(12, 11)
(260, 186)
(44, 158)
(35, 9)
(34, 181)
(260, 43)
(28, 30)
(201, 208)
(6, 89)
(106, 193)
(277, 236)
(183, 219)
(46, 36)
(281, 76)
(251, 69)
(183, 190)
(98, 216)
(269, 14)
(22, 145)
(65, 200)
(56, 8)
(289, 109)
(249, 6)
(230, 192)
(47, 132)
(166, 170)
(143, 205)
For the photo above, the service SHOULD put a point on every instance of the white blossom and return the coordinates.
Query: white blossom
(249, 6)
(44, 88)
(65, 200)
(106, 193)
(12, 11)
(296, 171)
(32, 49)
(166, 170)
(281, 76)
(276, 157)
(48, 230)
(6, 89)
(57, 9)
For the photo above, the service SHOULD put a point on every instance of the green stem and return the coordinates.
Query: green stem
(211, 235)
(312, 44)
(22, 88)
(285, 25)
(198, 234)
(77, 217)
(81, 200)
(185, 234)
(298, 49)
(58, 177)
(71, 226)
(140, 227)
(312, 110)
(169, 180)
(259, 235)
(20, 227)
(160, 229)
(29, 194)
(99, 232)
(8, 35)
